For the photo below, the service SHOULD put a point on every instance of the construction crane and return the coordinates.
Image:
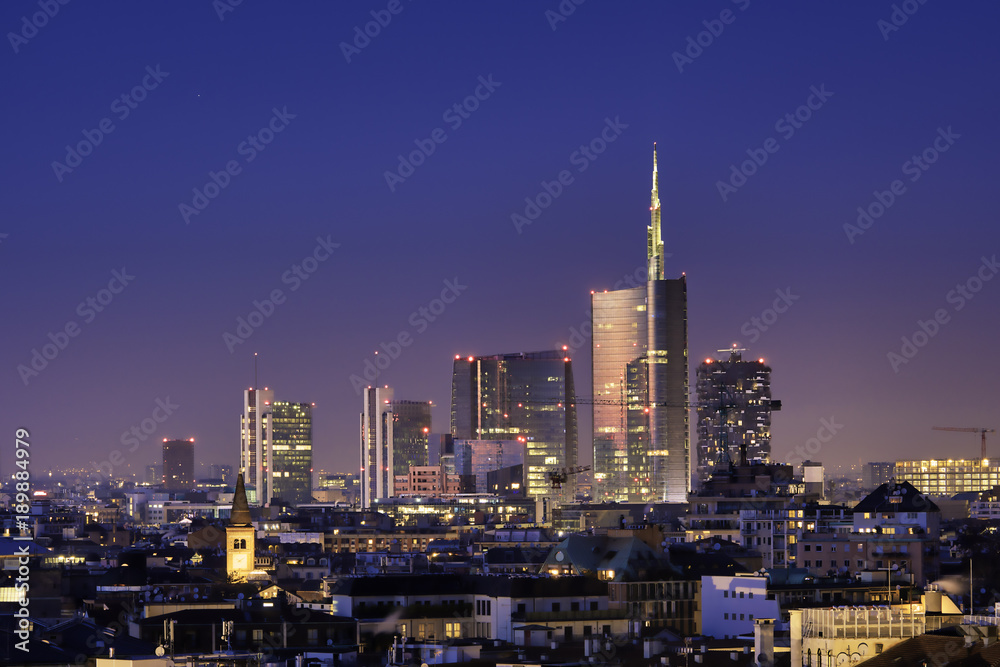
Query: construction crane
(980, 431)
(557, 477)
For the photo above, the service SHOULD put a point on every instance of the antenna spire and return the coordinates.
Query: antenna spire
(654, 238)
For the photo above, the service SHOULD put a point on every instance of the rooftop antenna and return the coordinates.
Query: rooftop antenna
(255, 371)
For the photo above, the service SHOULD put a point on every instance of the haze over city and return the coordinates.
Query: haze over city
(229, 155)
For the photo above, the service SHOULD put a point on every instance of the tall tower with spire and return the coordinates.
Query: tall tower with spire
(654, 238)
(640, 376)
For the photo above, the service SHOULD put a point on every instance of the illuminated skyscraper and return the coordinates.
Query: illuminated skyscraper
(528, 397)
(178, 464)
(734, 412)
(255, 441)
(640, 376)
(393, 437)
(291, 451)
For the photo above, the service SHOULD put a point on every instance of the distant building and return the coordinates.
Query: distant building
(393, 437)
(439, 445)
(734, 412)
(640, 382)
(814, 477)
(223, 472)
(877, 473)
(947, 477)
(528, 395)
(478, 458)
(255, 441)
(154, 474)
(291, 451)
(430, 481)
(178, 464)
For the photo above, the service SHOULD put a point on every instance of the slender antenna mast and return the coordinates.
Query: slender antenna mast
(255, 371)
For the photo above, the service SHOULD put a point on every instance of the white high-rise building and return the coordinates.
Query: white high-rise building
(376, 452)
(255, 441)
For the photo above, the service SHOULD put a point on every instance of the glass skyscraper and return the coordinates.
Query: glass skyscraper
(640, 380)
(393, 437)
(291, 451)
(527, 396)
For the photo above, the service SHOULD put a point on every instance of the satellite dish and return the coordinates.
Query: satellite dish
(159, 651)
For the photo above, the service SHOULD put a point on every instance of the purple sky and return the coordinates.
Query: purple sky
(202, 91)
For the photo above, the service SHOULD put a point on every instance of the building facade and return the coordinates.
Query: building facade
(947, 477)
(478, 458)
(877, 473)
(178, 464)
(255, 441)
(393, 437)
(640, 382)
(291, 451)
(527, 396)
(734, 411)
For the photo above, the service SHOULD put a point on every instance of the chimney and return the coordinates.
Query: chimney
(763, 640)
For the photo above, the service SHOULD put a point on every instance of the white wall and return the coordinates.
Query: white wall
(722, 606)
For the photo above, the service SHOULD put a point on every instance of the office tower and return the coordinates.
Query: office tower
(178, 464)
(411, 424)
(376, 432)
(438, 445)
(393, 437)
(478, 458)
(640, 381)
(255, 441)
(526, 395)
(734, 412)
(291, 452)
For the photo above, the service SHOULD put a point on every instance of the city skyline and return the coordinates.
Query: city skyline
(829, 200)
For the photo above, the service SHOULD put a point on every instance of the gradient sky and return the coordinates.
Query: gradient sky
(324, 176)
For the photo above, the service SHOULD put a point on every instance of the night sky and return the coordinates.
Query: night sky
(308, 128)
